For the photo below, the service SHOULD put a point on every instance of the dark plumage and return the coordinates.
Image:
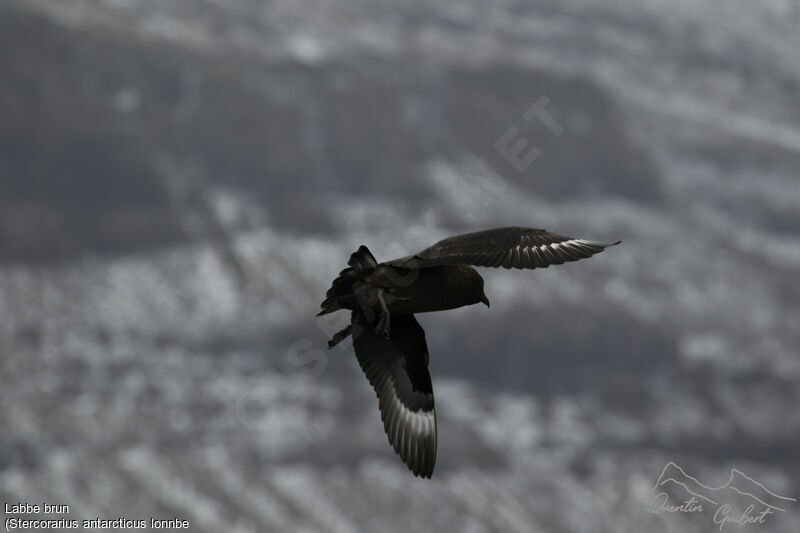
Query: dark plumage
(389, 342)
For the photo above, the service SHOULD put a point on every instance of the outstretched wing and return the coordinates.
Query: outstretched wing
(397, 368)
(511, 247)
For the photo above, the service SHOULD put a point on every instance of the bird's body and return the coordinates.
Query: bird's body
(408, 291)
(390, 344)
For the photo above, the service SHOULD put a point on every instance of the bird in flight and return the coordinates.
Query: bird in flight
(389, 342)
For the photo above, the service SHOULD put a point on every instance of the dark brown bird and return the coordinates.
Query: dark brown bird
(389, 342)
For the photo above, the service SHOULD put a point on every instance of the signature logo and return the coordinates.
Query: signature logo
(741, 500)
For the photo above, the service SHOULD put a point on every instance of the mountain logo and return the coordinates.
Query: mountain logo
(741, 500)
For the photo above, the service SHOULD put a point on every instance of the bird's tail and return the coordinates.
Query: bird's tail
(361, 262)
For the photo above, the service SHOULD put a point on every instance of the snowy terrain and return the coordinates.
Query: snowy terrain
(180, 181)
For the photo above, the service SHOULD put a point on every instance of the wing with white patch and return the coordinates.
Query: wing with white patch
(397, 368)
(511, 247)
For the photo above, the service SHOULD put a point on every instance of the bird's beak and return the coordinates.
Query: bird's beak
(485, 300)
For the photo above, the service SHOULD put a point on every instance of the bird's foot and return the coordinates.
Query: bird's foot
(340, 336)
(384, 325)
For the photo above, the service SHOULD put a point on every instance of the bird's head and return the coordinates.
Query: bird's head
(485, 300)
(470, 287)
(482, 297)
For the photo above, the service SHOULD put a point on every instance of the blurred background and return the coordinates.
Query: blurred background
(180, 181)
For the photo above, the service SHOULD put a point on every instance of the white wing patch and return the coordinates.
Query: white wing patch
(412, 434)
